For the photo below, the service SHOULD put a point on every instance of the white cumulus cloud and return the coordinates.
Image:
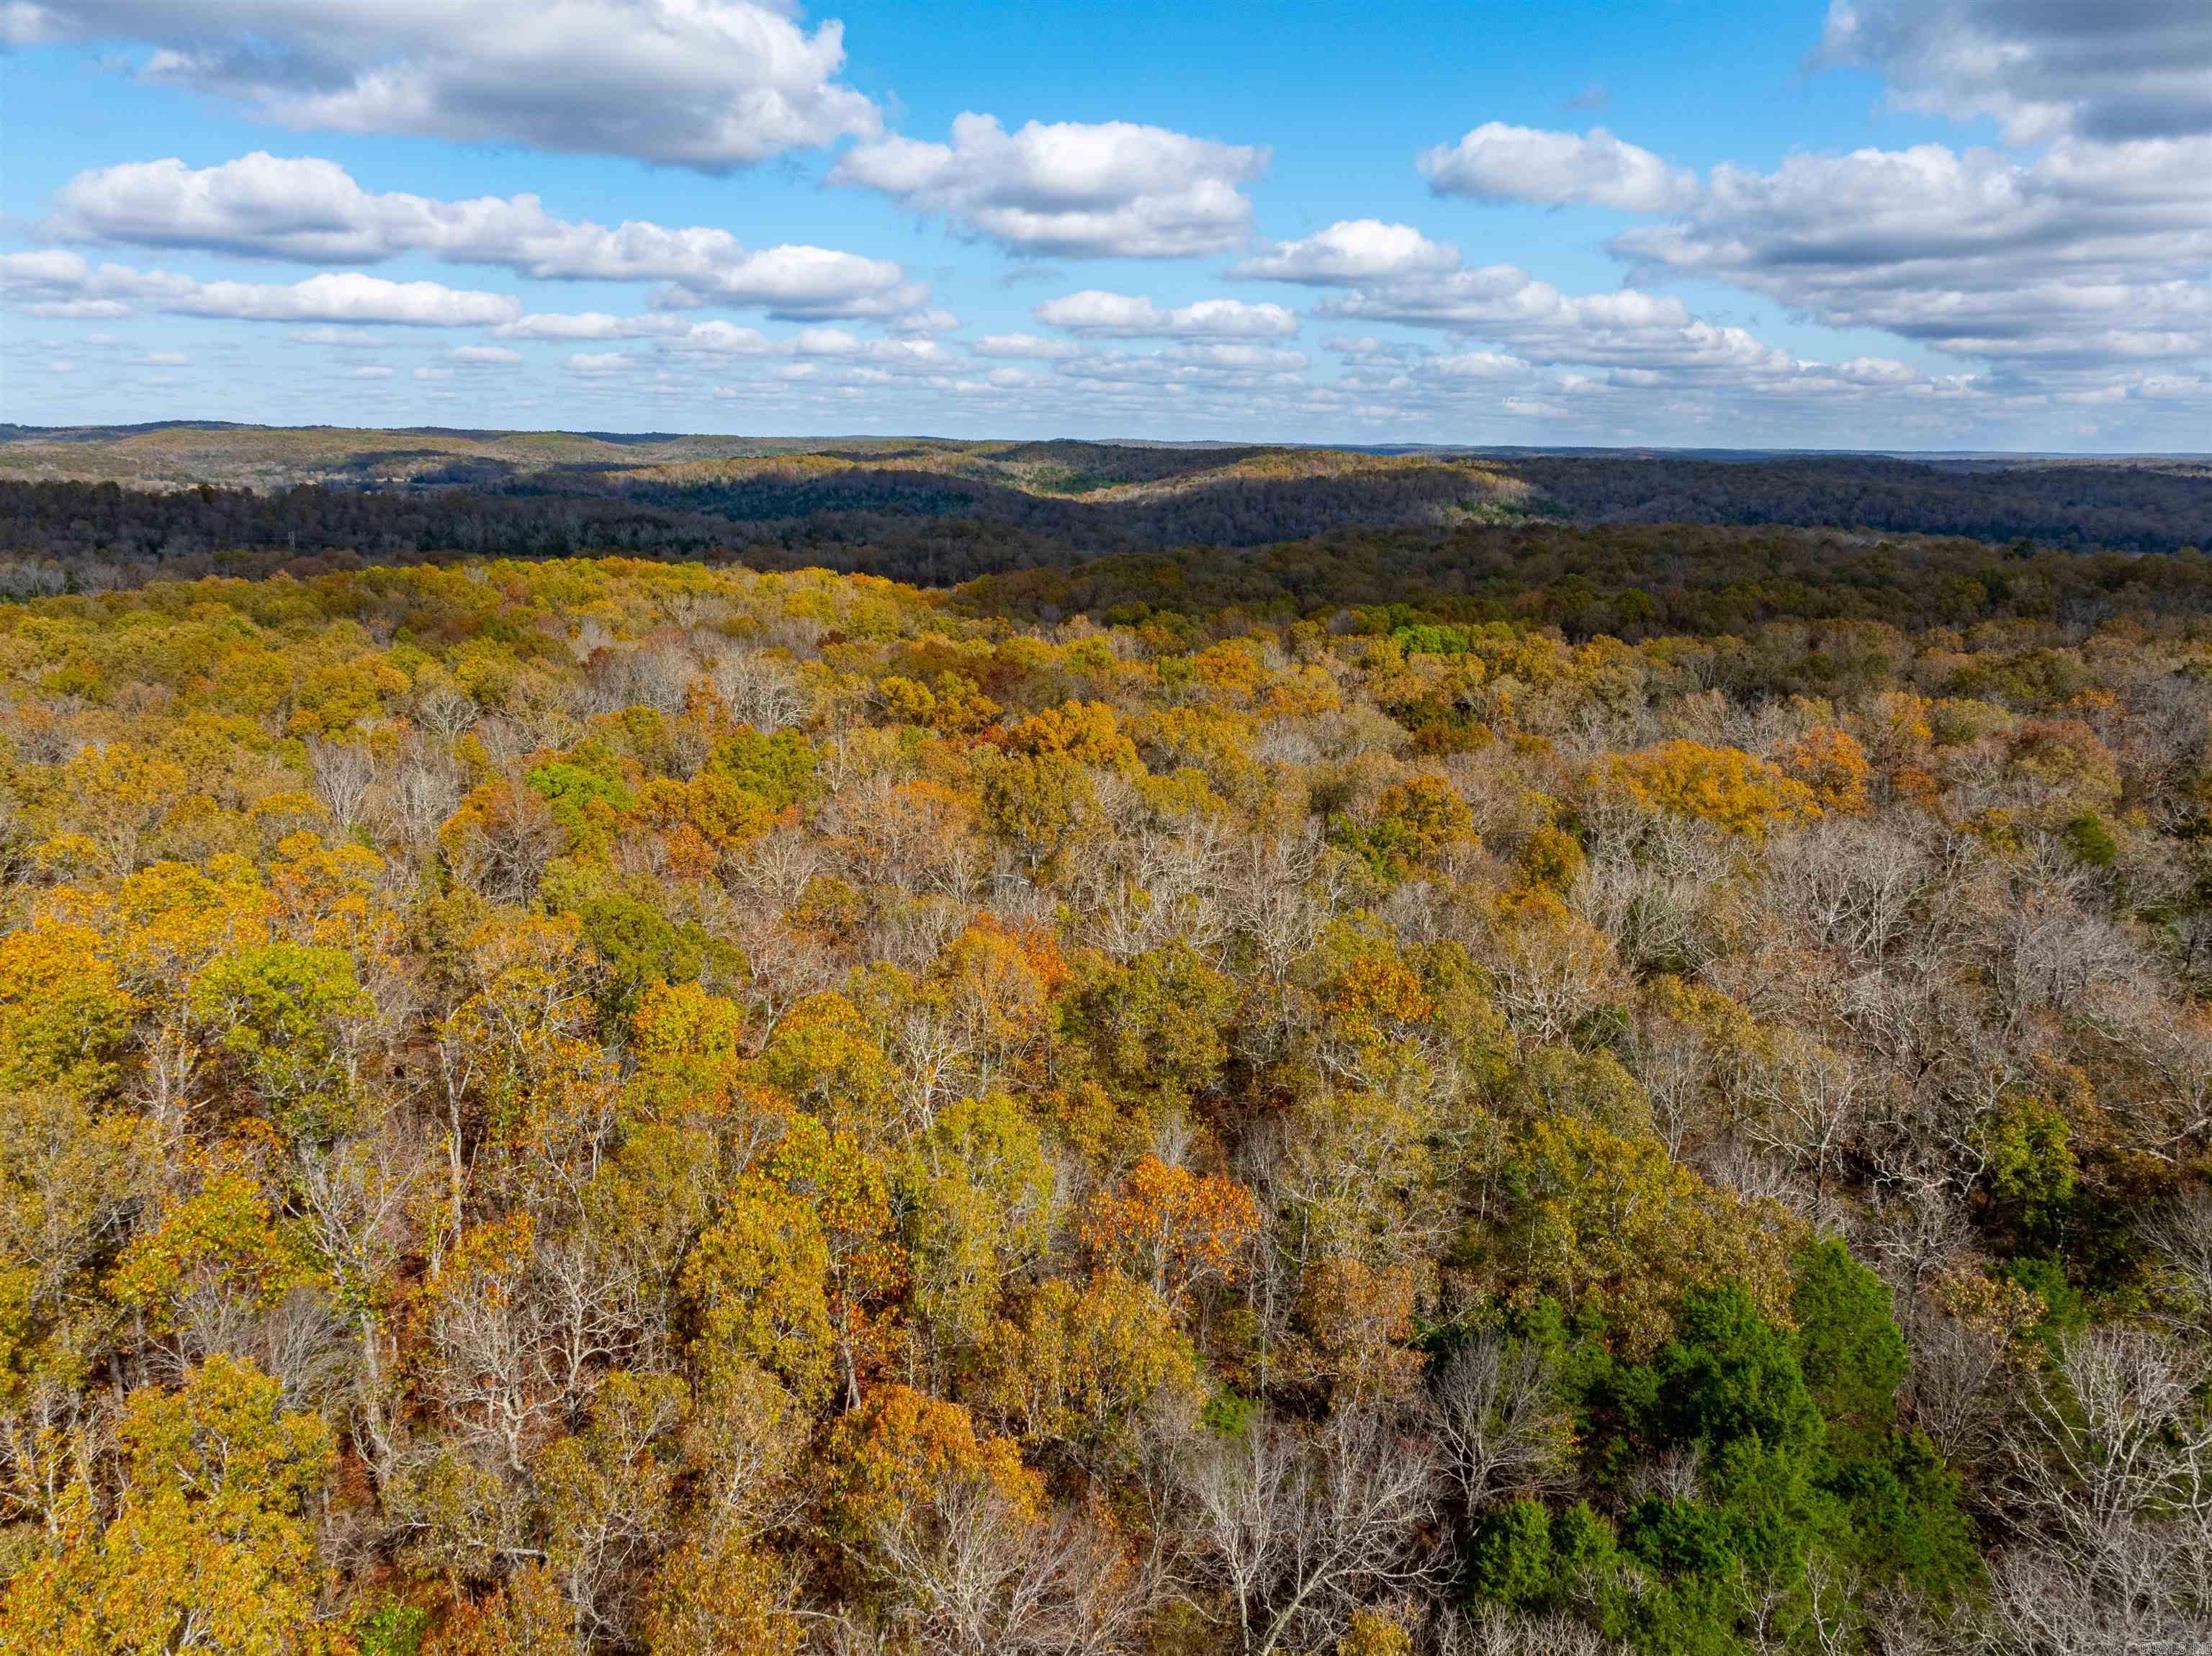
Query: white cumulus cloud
(311, 210)
(2091, 253)
(63, 284)
(2107, 69)
(1024, 346)
(721, 339)
(1219, 365)
(1124, 316)
(594, 364)
(1106, 190)
(1497, 162)
(1352, 250)
(591, 324)
(711, 84)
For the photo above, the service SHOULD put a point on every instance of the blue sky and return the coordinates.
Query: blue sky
(1890, 223)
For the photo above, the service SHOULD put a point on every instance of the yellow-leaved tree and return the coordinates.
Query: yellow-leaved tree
(211, 1544)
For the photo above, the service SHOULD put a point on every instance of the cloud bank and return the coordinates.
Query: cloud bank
(310, 210)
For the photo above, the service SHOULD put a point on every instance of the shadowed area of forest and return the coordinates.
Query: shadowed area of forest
(190, 500)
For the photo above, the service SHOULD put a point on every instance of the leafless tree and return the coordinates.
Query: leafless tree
(1917, 1227)
(587, 1299)
(2181, 1236)
(2044, 1602)
(608, 1497)
(779, 969)
(1154, 888)
(301, 1343)
(1672, 1474)
(1298, 1531)
(1850, 884)
(504, 1365)
(502, 857)
(446, 711)
(1497, 1420)
(1808, 1101)
(775, 868)
(1281, 897)
(2109, 1473)
(933, 1059)
(425, 790)
(967, 1573)
(2166, 1051)
(343, 773)
(1546, 974)
(651, 674)
(759, 691)
(745, 1441)
(2053, 947)
(1660, 900)
(356, 1198)
(1492, 1631)
(1679, 1077)
(1956, 1388)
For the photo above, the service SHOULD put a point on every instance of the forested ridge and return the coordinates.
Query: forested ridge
(89, 511)
(1499, 1087)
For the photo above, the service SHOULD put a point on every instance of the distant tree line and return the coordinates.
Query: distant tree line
(934, 527)
(2140, 507)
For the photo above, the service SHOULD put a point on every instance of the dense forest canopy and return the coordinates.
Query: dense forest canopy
(1506, 1082)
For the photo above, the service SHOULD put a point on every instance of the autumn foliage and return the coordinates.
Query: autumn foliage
(595, 1106)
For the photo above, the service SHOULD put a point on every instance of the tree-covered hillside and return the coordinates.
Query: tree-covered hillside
(86, 511)
(644, 1106)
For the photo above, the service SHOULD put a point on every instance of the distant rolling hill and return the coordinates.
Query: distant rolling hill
(122, 503)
